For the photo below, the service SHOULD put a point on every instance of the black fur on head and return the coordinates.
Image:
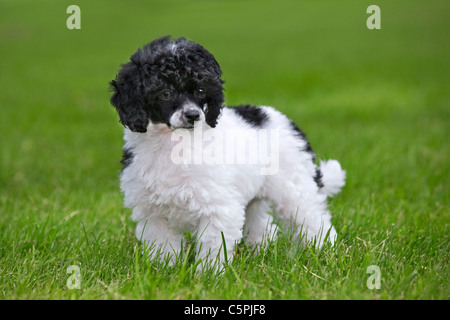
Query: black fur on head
(160, 76)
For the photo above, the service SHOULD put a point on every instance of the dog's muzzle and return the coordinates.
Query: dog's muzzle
(192, 115)
(186, 116)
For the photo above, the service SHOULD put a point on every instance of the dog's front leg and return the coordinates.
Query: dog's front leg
(161, 241)
(217, 236)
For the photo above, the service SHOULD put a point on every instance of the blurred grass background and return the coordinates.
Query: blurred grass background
(377, 100)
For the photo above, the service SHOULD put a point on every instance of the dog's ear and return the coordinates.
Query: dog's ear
(215, 105)
(212, 116)
(213, 74)
(129, 100)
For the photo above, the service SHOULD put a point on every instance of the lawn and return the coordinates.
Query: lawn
(376, 100)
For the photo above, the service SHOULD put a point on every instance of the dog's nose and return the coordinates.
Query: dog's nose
(192, 115)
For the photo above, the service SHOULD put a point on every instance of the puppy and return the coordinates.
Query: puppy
(192, 165)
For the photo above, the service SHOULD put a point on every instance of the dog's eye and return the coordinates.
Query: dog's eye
(165, 95)
(201, 93)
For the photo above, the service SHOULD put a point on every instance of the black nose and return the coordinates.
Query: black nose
(192, 115)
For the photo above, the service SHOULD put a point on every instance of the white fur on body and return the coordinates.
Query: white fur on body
(169, 199)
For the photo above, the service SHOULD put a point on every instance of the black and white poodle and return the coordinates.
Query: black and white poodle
(190, 164)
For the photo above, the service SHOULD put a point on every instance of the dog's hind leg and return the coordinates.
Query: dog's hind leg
(297, 202)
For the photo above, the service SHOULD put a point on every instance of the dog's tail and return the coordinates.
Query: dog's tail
(332, 177)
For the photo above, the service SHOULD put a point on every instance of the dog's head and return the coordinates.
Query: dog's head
(175, 82)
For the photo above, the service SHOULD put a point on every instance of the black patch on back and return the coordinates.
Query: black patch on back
(302, 136)
(127, 158)
(318, 178)
(252, 115)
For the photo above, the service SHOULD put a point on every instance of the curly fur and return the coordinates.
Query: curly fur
(180, 64)
(173, 85)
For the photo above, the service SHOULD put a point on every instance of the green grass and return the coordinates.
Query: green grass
(378, 101)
